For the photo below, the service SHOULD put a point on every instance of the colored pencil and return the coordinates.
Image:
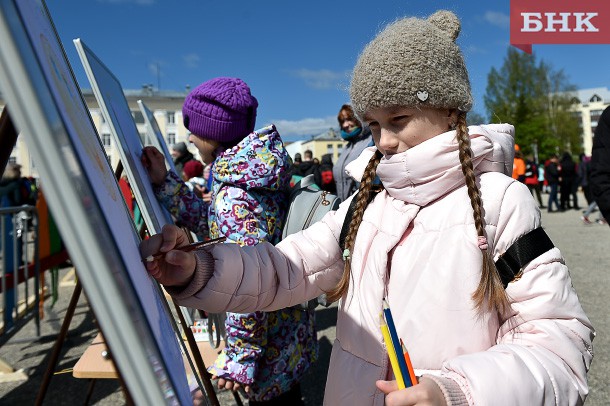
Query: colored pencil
(409, 364)
(396, 343)
(186, 248)
(391, 353)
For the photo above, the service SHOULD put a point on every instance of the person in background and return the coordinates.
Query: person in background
(518, 165)
(11, 191)
(567, 182)
(266, 352)
(551, 173)
(531, 179)
(297, 159)
(584, 175)
(181, 155)
(600, 164)
(358, 137)
(306, 167)
(544, 186)
(325, 178)
(435, 208)
(192, 175)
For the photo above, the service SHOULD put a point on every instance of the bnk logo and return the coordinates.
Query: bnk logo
(562, 22)
(559, 22)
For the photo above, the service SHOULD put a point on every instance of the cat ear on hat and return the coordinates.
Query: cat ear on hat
(446, 21)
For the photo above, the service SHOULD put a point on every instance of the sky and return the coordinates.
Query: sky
(296, 56)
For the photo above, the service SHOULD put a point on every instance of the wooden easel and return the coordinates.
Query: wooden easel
(201, 369)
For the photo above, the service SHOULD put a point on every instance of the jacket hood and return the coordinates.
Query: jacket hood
(431, 169)
(258, 161)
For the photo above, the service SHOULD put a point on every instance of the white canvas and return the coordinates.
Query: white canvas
(46, 105)
(155, 135)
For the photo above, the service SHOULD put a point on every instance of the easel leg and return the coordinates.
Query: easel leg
(203, 373)
(59, 343)
(90, 391)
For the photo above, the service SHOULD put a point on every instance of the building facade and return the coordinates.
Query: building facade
(165, 105)
(588, 107)
(328, 142)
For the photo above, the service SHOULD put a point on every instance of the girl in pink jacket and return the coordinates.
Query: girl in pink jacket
(435, 237)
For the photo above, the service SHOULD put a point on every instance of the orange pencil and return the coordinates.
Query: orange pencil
(409, 364)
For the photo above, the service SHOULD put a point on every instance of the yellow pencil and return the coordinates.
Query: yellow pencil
(391, 352)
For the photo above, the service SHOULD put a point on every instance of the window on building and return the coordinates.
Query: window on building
(171, 117)
(171, 139)
(595, 99)
(595, 115)
(138, 117)
(106, 139)
(329, 148)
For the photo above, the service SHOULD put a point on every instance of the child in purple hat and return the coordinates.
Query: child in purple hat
(266, 352)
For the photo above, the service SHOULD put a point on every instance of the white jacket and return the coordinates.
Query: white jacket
(417, 246)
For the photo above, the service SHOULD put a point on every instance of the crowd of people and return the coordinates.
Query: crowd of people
(562, 179)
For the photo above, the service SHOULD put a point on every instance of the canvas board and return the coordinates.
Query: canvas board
(155, 135)
(115, 109)
(48, 108)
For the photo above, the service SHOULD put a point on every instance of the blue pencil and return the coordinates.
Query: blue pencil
(396, 344)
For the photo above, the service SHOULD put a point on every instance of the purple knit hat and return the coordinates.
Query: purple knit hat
(221, 109)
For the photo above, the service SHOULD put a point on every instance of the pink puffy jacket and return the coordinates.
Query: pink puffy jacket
(417, 246)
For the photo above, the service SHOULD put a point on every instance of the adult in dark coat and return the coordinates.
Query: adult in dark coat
(566, 184)
(600, 164)
(551, 172)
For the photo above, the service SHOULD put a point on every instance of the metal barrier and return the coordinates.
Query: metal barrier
(19, 268)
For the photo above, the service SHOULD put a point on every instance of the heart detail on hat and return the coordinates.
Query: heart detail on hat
(422, 95)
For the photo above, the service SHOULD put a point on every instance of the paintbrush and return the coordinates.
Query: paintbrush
(186, 248)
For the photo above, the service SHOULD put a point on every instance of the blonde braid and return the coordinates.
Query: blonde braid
(364, 192)
(490, 293)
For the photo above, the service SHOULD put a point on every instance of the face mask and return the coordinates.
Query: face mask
(349, 135)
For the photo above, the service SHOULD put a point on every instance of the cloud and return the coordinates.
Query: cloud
(306, 126)
(473, 49)
(191, 60)
(498, 19)
(139, 2)
(322, 79)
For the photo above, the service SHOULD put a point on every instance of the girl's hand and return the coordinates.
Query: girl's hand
(175, 268)
(426, 392)
(154, 163)
(230, 385)
(207, 197)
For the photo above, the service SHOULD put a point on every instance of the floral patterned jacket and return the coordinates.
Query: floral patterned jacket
(270, 351)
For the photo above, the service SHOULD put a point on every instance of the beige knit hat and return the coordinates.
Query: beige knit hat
(413, 62)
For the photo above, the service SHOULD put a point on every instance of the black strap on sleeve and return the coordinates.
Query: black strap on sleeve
(522, 252)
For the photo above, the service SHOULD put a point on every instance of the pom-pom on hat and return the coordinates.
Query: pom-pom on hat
(193, 168)
(413, 62)
(221, 109)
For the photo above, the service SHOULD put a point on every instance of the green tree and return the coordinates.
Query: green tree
(536, 100)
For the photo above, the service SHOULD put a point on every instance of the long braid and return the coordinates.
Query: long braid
(364, 192)
(490, 291)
